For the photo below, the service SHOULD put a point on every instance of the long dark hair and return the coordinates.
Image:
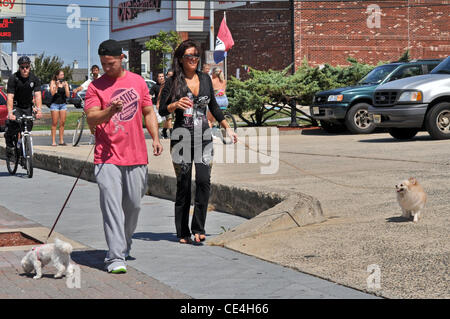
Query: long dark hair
(179, 87)
(55, 75)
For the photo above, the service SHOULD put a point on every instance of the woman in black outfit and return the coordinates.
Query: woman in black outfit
(59, 89)
(187, 94)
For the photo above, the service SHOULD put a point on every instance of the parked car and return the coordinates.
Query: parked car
(46, 95)
(3, 110)
(72, 99)
(347, 107)
(150, 83)
(409, 105)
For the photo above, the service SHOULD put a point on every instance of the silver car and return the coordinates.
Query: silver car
(409, 105)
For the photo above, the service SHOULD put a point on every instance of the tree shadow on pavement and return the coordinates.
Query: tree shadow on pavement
(90, 258)
(148, 236)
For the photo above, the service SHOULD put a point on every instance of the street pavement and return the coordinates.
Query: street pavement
(353, 177)
(162, 267)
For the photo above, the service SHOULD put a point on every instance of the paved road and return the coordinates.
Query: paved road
(197, 271)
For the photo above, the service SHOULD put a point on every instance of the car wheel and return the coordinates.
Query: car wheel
(403, 133)
(357, 119)
(332, 127)
(437, 121)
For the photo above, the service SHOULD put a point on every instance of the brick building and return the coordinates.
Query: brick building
(326, 31)
(331, 31)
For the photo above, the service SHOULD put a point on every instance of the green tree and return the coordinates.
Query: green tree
(268, 93)
(164, 43)
(44, 67)
(405, 56)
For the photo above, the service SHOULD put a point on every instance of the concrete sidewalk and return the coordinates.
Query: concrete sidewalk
(162, 267)
(353, 177)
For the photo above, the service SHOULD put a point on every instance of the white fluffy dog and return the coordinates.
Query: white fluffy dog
(411, 197)
(58, 253)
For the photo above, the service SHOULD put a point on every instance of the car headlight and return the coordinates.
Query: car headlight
(411, 96)
(336, 98)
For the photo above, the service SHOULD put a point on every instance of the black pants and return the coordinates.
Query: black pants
(13, 127)
(183, 171)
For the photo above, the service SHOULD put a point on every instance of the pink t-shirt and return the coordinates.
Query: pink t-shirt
(121, 140)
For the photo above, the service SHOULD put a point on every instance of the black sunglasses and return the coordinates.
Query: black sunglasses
(24, 67)
(191, 57)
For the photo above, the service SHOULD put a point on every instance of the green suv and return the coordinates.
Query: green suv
(346, 108)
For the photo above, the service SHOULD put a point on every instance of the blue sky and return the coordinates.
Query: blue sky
(46, 31)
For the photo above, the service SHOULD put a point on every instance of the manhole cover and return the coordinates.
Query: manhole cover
(17, 239)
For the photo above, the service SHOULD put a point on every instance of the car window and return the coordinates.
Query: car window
(406, 72)
(378, 74)
(431, 67)
(2, 100)
(443, 67)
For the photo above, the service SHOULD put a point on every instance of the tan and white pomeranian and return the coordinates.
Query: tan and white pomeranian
(411, 197)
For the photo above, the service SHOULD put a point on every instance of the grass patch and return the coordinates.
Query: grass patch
(45, 124)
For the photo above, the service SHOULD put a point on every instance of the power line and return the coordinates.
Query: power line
(253, 2)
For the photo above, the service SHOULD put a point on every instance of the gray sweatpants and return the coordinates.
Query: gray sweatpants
(121, 191)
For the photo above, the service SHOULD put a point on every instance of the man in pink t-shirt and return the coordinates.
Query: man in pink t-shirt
(115, 104)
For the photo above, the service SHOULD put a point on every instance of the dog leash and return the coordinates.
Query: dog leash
(70, 193)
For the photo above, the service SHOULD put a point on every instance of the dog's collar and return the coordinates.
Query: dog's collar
(37, 252)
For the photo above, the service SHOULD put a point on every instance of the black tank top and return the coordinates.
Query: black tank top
(60, 96)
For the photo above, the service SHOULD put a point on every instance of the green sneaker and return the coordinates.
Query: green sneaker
(119, 270)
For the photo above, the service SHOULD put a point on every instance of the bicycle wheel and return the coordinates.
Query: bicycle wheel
(78, 131)
(27, 144)
(12, 159)
(232, 123)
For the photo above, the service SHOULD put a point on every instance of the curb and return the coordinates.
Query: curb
(302, 209)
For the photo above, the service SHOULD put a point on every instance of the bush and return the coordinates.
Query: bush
(268, 91)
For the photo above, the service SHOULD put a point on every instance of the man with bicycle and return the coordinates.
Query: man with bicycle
(22, 86)
(95, 71)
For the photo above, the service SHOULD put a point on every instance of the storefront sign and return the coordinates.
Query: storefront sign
(129, 10)
(132, 14)
(11, 30)
(12, 8)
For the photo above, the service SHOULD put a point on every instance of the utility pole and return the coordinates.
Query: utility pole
(89, 40)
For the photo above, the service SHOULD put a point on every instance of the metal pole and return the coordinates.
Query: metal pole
(89, 46)
(293, 105)
(211, 25)
(225, 62)
(89, 41)
(292, 102)
(292, 35)
(14, 57)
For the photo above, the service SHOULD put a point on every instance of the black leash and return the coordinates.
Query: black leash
(70, 193)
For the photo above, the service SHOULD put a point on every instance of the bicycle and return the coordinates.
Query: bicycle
(80, 125)
(22, 151)
(219, 131)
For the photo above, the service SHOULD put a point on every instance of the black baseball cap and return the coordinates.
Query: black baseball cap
(110, 47)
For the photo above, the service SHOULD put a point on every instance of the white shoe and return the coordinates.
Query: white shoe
(118, 270)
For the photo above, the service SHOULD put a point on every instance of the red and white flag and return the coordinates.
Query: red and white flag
(224, 42)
